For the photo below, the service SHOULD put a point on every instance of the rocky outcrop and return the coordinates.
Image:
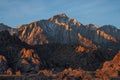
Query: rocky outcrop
(16, 54)
(29, 62)
(110, 69)
(3, 64)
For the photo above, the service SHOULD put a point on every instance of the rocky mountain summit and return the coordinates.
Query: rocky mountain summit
(64, 30)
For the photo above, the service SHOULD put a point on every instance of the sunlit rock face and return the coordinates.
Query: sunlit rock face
(62, 29)
(110, 68)
(113, 64)
(29, 61)
(58, 29)
(111, 30)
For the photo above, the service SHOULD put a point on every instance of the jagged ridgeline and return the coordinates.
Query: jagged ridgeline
(64, 30)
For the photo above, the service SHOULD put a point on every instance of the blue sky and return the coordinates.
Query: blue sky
(17, 12)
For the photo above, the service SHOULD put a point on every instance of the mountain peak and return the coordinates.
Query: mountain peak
(59, 16)
(92, 26)
(109, 26)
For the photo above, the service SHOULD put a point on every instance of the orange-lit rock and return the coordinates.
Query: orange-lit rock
(80, 49)
(86, 42)
(24, 62)
(9, 71)
(29, 61)
(18, 73)
(110, 68)
(2, 58)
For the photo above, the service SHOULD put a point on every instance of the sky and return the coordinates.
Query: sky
(101, 12)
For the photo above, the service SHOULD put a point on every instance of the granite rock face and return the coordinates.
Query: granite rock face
(29, 62)
(64, 30)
